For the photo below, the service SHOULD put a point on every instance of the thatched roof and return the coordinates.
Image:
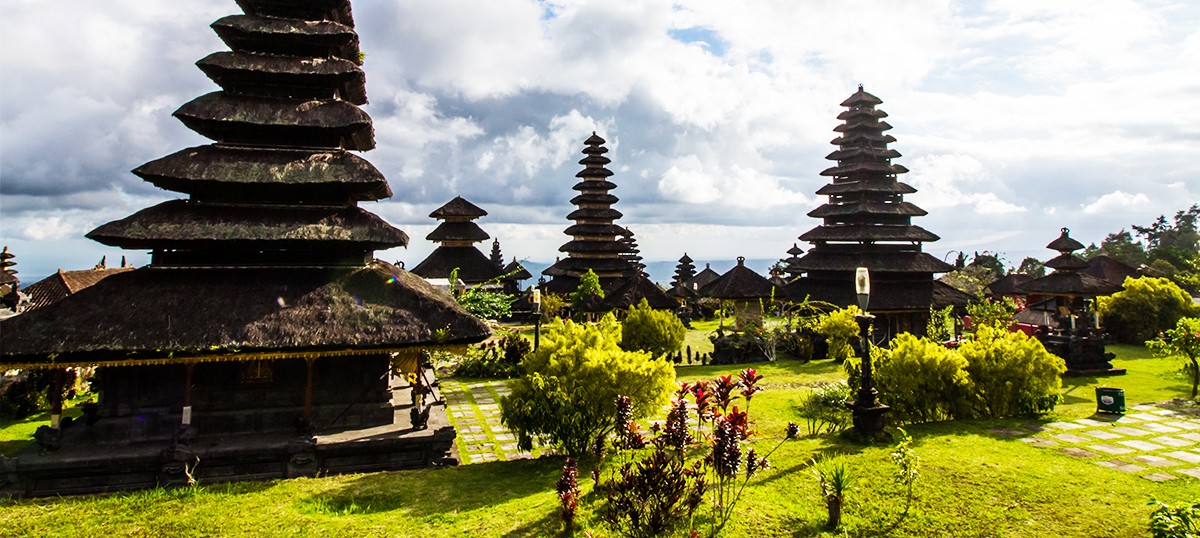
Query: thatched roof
(868, 232)
(63, 284)
(1066, 262)
(242, 119)
(260, 174)
(867, 167)
(286, 76)
(872, 207)
(823, 259)
(845, 154)
(473, 266)
(946, 295)
(272, 35)
(908, 296)
(703, 278)
(861, 99)
(334, 10)
(1008, 284)
(582, 245)
(740, 282)
(459, 207)
(885, 187)
(1110, 269)
(594, 198)
(180, 223)
(516, 271)
(682, 292)
(153, 312)
(458, 231)
(1064, 243)
(1070, 283)
(600, 266)
(597, 213)
(594, 184)
(636, 288)
(603, 230)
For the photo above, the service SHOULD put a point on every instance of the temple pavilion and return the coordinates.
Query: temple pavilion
(456, 236)
(867, 223)
(264, 339)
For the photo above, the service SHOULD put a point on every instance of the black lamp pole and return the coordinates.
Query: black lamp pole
(867, 411)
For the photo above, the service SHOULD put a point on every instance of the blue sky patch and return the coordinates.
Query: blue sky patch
(699, 34)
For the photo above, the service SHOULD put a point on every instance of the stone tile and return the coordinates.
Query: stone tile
(1070, 438)
(1155, 461)
(1166, 413)
(1065, 425)
(1173, 441)
(1077, 452)
(505, 437)
(1159, 428)
(1144, 407)
(1132, 432)
(489, 406)
(1141, 445)
(477, 458)
(475, 437)
(1145, 416)
(1091, 423)
(1125, 419)
(1040, 441)
(1102, 434)
(1120, 465)
(1189, 425)
(1007, 432)
(1034, 427)
(508, 447)
(1111, 449)
(1159, 477)
(1194, 473)
(1190, 457)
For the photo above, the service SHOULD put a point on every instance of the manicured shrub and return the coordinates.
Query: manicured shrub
(566, 392)
(839, 328)
(1183, 342)
(1146, 307)
(922, 380)
(824, 408)
(1175, 521)
(657, 332)
(1011, 373)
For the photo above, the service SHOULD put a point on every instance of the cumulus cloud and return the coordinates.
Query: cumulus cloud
(1116, 202)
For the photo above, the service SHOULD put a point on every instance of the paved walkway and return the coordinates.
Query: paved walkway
(474, 409)
(1155, 443)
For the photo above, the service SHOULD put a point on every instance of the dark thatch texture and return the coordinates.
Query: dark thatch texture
(916, 262)
(1070, 284)
(741, 282)
(1007, 285)
(1066, 262)
(703, 278)
(946, 295)
(871, 208)
(458, 207)
(241, 119)
(1064, 243)
(888, 292)
(473, 267)
(229, 172)
(516, 271)
(156, 312)
(868, 232)
(458, 231)
(636, 288)
(1110, 269)
(183, 223)
(63, 284)
(334, 10)
(271, 35)
(286, 76)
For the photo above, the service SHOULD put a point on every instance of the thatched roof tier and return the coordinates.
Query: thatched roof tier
(271, 35)
(854, 187)
(594, 198)
(63, 284)
(1066, 262)
(291, 77)
(580, 265)
(862, 114)
(594, 213)
(863, 126)
(861, 99)
(864, 167)
(741, 282)
(1110, 269)
(682, 292)
(473, 266)
(634, 289)
(1064, 243)
(334, 10)
(596, 144)
(157, 313)
(459, 207)
(219, 171)
(946, 295)
(868, 232)
(596, 230)
(1008, 284)
(846, 154)
(1069, 284)
(895, 262)
(187, 224)
(587, 173)
(864, 140)
(241, 119)
(585, 246)
(594, 160)
(458, 231)
(900, 297)
(595, 185)
(867, 207)
(516, 271)
(703, 278)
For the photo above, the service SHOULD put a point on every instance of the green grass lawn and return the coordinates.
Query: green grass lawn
(972, 483)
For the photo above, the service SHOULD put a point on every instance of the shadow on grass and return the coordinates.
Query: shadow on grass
(437, 491)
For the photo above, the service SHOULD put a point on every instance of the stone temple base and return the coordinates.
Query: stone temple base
(82, 466)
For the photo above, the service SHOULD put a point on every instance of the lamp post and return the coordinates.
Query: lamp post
(867, 411)
(537, 312)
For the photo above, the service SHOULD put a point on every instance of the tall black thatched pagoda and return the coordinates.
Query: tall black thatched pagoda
(867, 223)
(456, 237)
(596, 241)
(263, 340)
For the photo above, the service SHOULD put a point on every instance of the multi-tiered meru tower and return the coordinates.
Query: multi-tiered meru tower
(867, 223)
(262, 339)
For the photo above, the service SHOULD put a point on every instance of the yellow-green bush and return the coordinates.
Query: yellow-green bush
(839, 328)
(1011, 373)
(925, 381)
(1146, 307)
(657, 332)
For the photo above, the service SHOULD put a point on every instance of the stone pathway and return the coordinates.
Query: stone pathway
(474, 409)
(1157, 444)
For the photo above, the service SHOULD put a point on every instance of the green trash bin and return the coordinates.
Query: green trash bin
(1110, 400)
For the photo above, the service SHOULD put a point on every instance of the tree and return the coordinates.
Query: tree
(566, 394)
(1146, 307)
(1121, 247)
(839, 328)
(589, 285)
(657, 332)
(1176, 243)
(1033, 267)
(1183, 341)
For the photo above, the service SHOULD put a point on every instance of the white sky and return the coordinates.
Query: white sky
(1016, 118)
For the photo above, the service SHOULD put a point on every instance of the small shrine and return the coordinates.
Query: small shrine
(1069, 325)
(703, 278)
(867, 223)
(747, 290)
(263, 340)
(791, 264)
(456, 236)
